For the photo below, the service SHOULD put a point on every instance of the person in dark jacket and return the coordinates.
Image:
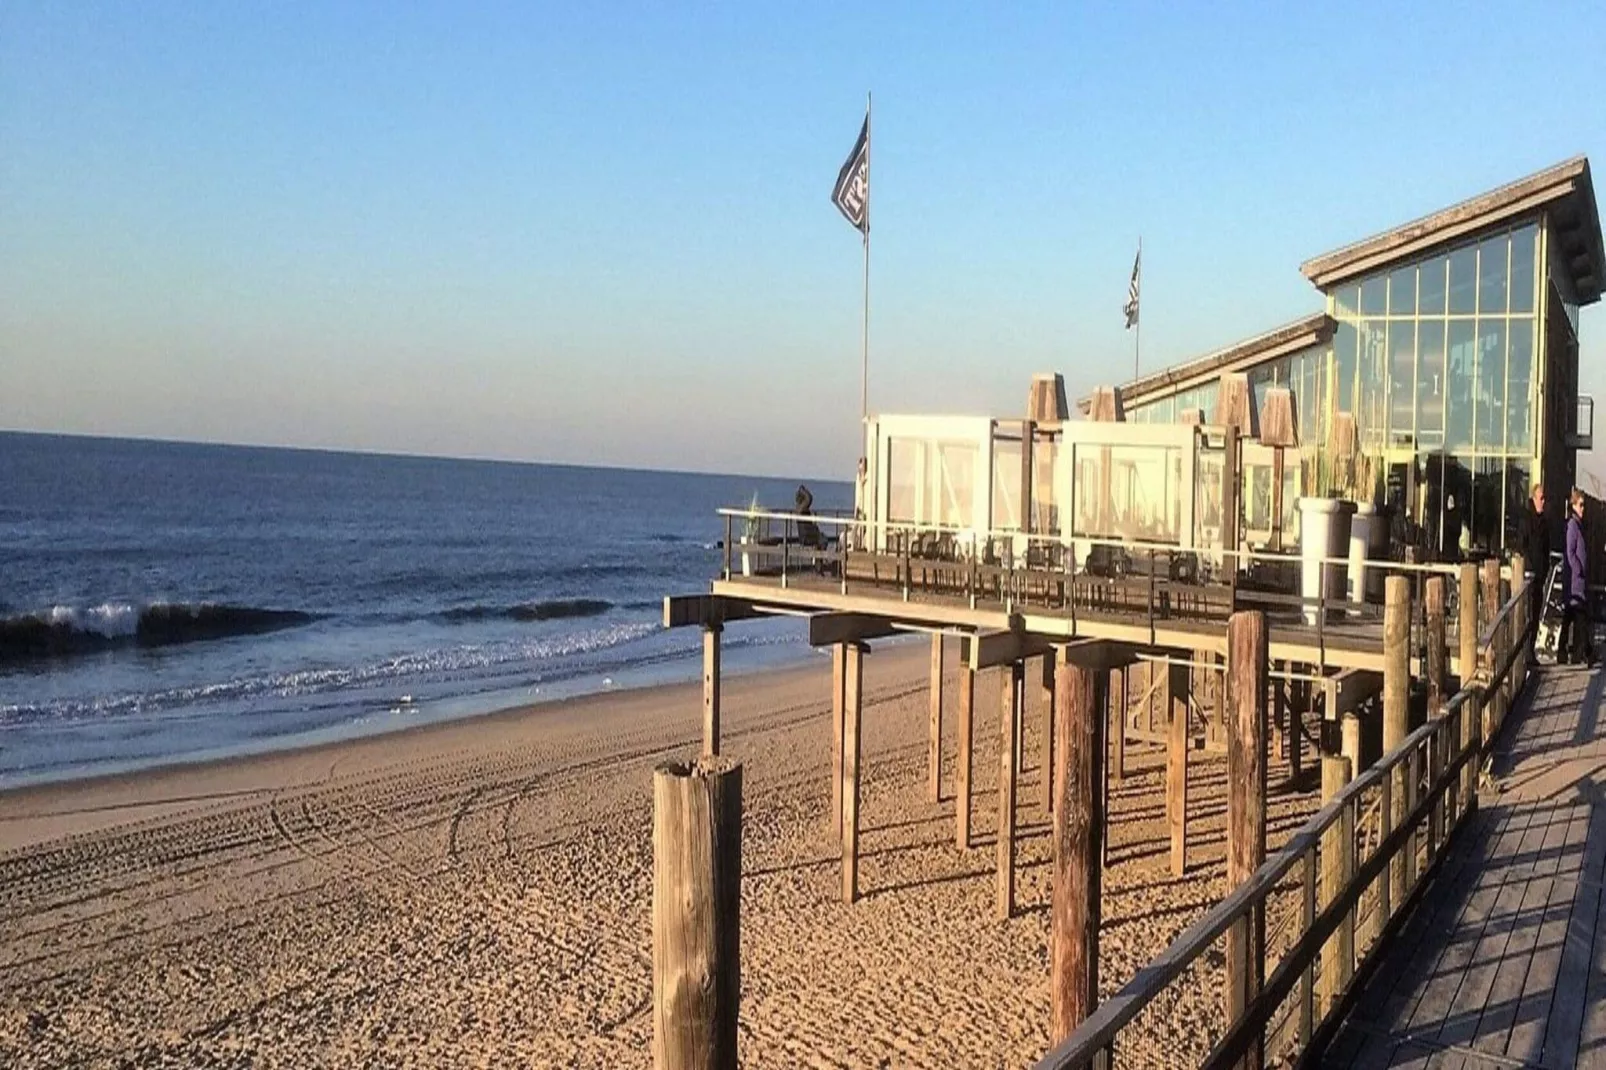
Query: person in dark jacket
(1534, 542)
(1575, 625)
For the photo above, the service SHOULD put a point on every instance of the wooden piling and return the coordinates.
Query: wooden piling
(1118, 711)
(1013, 691)
(1338, 869)
(1489, 590)
(852, 721)
(696, 914)
(838, 706)
(1397, 709)
(711, 689)
(1437, 652)
(1178, 740)
(1048, 734)
(1246, 810)
(1349, 737)
(1078, 835)
(1467, 623)
(967, 742)
(934, 747)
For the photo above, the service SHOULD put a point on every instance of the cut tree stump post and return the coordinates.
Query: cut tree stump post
(852, 721)
(838, 706)
(1013, 692)
(1338, 869)
(696, 914)
(711, 689)
(1246, 811)
(1078, 834)
(934, 747)
(1175, 699)
(967, 741)
(1397, 714)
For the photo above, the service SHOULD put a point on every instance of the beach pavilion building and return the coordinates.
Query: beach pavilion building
(1446, 362)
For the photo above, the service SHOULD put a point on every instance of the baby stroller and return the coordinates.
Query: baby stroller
(1548, 634)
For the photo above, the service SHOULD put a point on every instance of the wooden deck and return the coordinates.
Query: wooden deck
(1502, 966)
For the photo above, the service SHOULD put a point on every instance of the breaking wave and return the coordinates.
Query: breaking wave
(554, 609)
(63, 630)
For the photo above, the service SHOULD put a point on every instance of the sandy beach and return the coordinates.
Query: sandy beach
(477, 894)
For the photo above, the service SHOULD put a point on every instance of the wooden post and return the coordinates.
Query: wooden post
(967, 741)
(1013, 690)
(1246, 810)
(1467, 622)
(1338, 869)
(1175, 698)
(1048, 734)
(1078, 832)
(1281, 717)
(1118, 712)
(696, 914)
(1489, 588)
(1397, 711)
(838, 706)
(852, 720)
(1349, 739)
(711, 689)
(1438, 653)
(934, 749)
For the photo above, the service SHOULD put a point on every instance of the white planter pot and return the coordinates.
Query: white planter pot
(1324, 532)
(1359, 549)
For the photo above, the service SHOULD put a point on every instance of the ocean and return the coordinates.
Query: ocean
(164, 602)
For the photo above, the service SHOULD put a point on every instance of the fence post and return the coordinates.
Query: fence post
(711, 689)
(1175, 699)
(838, 707)
(967, 742)
(934, 745)
(1470, 711)
(1245, 696)
(1437, 669)
(1048, 734)
(1013, 687)
(1118, 710)
(1489, 588)
(696, 914)
(1397, 715)
(852, 720)
(1078, 836)
(1307, 922)
(1338, 869)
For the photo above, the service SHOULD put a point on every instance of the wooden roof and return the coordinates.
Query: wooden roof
(1241, 356)
(1564, 192)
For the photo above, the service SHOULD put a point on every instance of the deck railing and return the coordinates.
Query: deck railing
(1346, 869)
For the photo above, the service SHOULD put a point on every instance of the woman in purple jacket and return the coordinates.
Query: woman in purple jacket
(1576, 621)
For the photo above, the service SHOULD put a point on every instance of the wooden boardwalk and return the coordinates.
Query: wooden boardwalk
(1501, 965)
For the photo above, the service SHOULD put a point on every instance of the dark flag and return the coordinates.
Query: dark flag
(1132, 292)
(852, 193)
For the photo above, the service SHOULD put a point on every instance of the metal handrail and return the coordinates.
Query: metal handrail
(1098, 1032)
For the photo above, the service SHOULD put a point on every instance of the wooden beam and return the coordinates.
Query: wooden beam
(838, 709)
(1080, 694)
(992, 649)
(967, 740)
(1013, 691)
(711, 674)
(1246, 811)
(828, 628)
(684, 610)
(934, 743)
(1349, 690)
(1178, 741)
(852, 721)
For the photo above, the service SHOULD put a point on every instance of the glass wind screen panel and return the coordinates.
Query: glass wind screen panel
(1519, 386)
(1346, 341)
(1458, 384)
(1523, 257)
(1491, 400)
(1430, 382)
(1402, 291)
(954, 486)
(1492, 275)
(1045, 504)
(1430, 288)
(1257, 487)
(903, 461)
(1464, 281)
(1209, 468)
(1006, 485)
(1402, 379)
(1374, 296)
(1138, 496)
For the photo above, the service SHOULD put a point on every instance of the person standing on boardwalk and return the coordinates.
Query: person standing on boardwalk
(1575, 625)
(1535, 544)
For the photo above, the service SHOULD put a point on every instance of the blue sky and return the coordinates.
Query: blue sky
(602, 234)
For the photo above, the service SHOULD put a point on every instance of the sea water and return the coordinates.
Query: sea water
(165, 602)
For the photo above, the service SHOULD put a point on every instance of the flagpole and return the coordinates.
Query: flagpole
(1137, 333)
(864, 379)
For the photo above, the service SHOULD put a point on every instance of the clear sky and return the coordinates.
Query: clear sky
(602, 233)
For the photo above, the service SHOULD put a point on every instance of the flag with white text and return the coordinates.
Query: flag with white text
(1132, 291)
(852, 193)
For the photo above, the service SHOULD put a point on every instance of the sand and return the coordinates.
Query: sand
(477, 894)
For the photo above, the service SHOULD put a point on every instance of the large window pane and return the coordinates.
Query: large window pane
(1455, 520)
(1430, 383)
(1347, 301)
(1492, 275)
(1519, 376)
(1458, 384)
(1402, 291)
(1402, 380)
(1491, 414)
(1488, 497)
(1372, 390)
(1464, 281)
(1345, 341)
(1430, 292)
(1517, 491)
(1006, 485)
(1523, 253)
(1374, 296)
